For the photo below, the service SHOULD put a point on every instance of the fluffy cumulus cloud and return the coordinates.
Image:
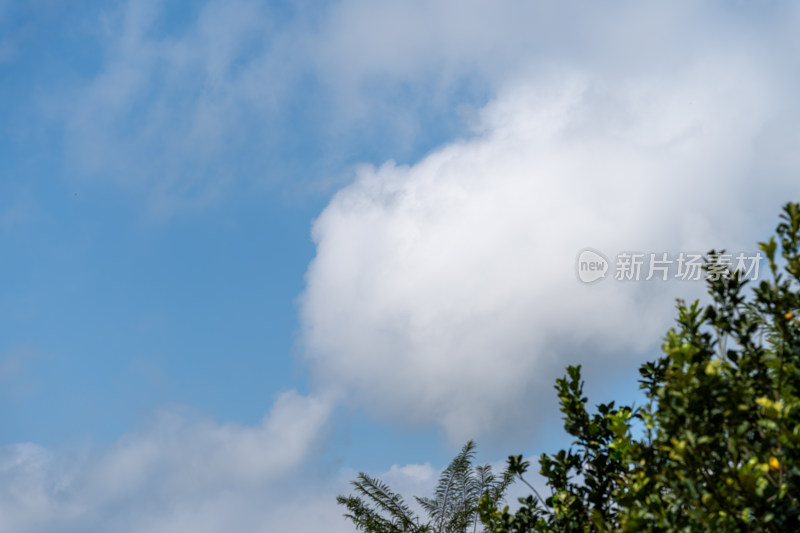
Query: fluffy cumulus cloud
(179, 474)
(445, 292)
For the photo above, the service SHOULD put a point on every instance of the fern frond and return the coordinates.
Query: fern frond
(386, 500)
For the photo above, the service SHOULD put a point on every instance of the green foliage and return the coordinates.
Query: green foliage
(717, 447)
(387, 512)
(453, 508)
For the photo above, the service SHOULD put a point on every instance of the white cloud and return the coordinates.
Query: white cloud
(444, 292)
(186, 475)
(183, 114)
(164, 112)
(180, 474)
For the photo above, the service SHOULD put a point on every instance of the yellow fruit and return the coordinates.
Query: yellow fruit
(774, 464)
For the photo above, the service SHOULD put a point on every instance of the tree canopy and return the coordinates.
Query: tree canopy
(717, 445)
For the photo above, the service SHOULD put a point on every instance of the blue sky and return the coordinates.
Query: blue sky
(289, 241)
